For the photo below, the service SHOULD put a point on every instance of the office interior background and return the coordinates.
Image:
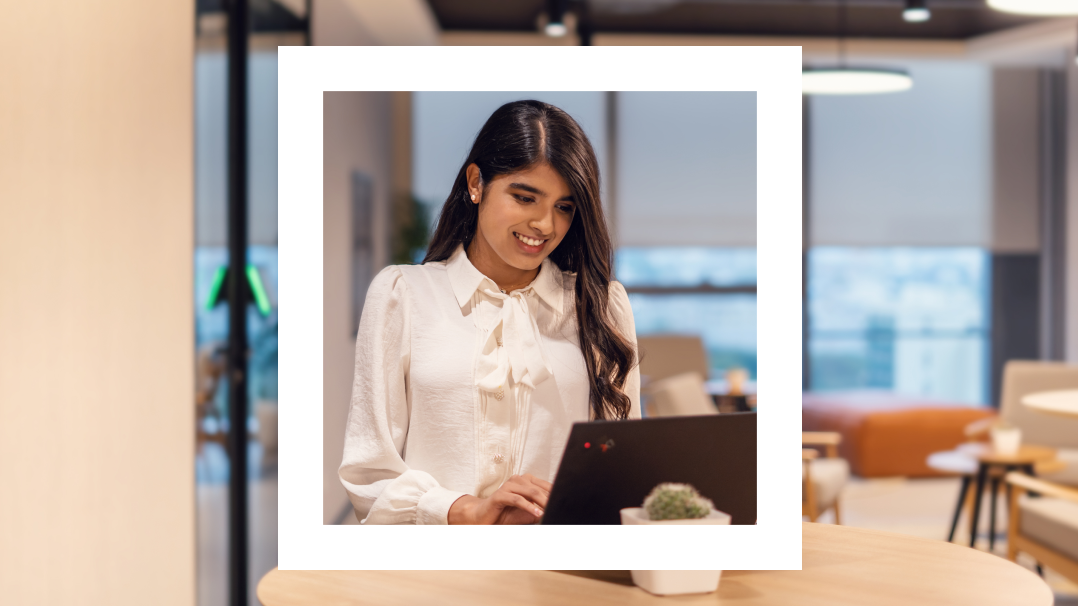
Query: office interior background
(941, 239)
(680, 165)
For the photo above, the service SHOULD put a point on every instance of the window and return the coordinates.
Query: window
(696, 290)
(911, 320)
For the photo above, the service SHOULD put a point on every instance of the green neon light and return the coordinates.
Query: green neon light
(261, 299)
(215, 288)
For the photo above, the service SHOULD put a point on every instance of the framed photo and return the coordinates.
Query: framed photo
(773, 73)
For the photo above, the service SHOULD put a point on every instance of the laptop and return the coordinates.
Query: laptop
(610, 465)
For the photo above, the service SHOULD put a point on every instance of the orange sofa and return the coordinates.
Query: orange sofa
(886, 434)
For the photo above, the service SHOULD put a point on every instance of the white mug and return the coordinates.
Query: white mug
(1006, 440)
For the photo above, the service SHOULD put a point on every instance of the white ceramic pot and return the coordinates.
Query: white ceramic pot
(674, 582)
(1006, 440)
(677, 582)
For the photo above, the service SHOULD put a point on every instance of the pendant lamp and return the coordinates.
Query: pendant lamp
(845, 80)
(916, 11)
(1044, 8)
(853, 81)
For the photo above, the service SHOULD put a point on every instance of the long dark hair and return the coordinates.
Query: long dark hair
(519, 136)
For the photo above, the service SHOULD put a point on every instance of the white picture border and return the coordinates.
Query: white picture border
(304, 543)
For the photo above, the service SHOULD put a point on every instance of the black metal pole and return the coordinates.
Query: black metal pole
(237, 301)
(309, 5)
(584, 27)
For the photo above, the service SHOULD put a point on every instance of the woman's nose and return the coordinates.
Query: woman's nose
(543, 222)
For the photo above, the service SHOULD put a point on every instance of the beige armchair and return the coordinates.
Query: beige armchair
(1024, 377)
(663, 356)
(822, 478)
(1045, 526)
(679, 395)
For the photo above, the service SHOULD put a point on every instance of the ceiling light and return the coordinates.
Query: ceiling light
(844, 80)
(916, 11)
(555, 30)
(853, 81)
(1036, 7)
(555, 19)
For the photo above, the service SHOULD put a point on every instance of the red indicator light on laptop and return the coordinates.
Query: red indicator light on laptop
(587, 444)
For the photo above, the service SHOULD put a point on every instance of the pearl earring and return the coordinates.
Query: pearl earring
(473, 197)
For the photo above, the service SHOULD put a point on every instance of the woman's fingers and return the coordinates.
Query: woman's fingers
(520, 500)
(535, 494)
(526, 485)
(534, 481)
(547, 486)
(510, 499)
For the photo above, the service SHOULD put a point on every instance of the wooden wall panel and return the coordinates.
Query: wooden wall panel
(96, 304)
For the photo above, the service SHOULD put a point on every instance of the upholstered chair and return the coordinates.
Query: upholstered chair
(822, 478)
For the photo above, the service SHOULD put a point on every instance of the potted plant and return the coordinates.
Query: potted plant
(675, 504)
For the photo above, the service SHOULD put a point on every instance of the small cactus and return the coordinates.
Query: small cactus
(676, 502)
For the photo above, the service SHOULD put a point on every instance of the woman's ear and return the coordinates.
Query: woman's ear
(475, 186)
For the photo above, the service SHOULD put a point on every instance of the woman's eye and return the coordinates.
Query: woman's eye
(524, 198)
(566, 209)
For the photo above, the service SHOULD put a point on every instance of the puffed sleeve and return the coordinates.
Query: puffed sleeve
(382, 488)
(623, 319)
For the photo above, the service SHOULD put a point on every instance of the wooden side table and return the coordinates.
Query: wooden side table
(841, 566)
(977, 459)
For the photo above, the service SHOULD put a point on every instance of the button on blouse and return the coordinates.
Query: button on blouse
(459, 386)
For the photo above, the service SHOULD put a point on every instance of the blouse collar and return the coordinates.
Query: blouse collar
(466, 279)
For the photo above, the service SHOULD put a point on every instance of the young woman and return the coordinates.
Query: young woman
(472, 367)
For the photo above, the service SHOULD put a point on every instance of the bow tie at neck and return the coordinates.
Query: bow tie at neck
(512, 345)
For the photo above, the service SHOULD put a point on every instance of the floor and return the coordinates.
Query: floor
(924, 508)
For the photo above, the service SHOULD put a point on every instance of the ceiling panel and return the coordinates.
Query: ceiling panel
(951, 19)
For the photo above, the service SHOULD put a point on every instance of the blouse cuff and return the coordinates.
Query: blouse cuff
(433, 506)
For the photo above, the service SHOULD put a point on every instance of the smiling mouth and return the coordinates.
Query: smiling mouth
(528, 241)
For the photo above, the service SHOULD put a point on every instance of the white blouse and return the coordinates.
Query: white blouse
(459, 386)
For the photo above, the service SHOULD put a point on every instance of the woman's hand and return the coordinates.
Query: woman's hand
(520, 500)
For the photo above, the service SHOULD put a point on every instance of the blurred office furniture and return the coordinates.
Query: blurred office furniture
(679, 395)
(211, 424)
(840, 565)
(1044, 526)
(886, 434)
(1025, 377)
(822, 478)
(210, 366)
(729, 403)
(266, 414)
(740, 394)
(978, 460)
(719, 391)
(1049, 442)
(1047, 527)
(665, 355)
(1063, 402)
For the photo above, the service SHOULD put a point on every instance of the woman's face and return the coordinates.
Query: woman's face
(523, 216)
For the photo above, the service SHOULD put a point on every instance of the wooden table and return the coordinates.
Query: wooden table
(1063, 402)
(841, 566)
(978, 459)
